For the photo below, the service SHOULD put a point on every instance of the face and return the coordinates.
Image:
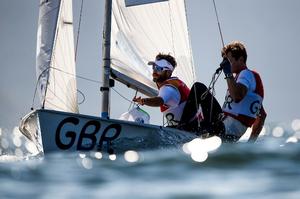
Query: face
(236, 64)
(160, 76)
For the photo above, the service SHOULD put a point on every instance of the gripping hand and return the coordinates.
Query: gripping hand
(226, 67)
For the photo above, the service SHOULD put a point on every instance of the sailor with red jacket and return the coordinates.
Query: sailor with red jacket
(243, 103)
(173, 92)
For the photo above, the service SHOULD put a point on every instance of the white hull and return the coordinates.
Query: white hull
(61, 131)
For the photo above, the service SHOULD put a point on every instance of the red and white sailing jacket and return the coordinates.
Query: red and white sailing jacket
(173, 114)
(248, 108)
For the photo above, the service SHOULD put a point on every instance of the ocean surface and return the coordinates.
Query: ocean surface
(267, 169)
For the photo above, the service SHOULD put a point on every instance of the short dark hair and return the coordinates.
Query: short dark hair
(237, 50)
(167, 57)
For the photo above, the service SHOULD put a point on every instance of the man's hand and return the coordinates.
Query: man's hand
(226, 66)
(139, 100)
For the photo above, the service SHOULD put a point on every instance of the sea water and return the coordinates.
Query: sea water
(267, 169)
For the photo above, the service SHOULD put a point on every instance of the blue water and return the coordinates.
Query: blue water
(268, 169)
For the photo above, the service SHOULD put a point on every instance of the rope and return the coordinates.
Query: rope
(121, 95)
(78, 30)
(76, 76)
(211, 88)
(218, 72)
(83, 96)
(79, 77)
(215, 77)
(219, 26)
(131, 102)
(197, 105)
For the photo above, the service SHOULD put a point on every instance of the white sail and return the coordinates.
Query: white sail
(55, 56)
(140, 32)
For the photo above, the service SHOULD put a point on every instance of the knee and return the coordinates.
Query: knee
(199, 86)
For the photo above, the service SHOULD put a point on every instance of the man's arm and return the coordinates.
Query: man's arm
(258, 125)
(236, 90)
(152, 101)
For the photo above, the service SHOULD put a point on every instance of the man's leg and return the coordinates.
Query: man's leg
(195, 99)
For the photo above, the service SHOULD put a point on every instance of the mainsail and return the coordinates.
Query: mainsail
(139, 33)
(55, 56)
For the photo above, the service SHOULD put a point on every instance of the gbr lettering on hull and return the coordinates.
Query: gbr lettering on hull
(85, 135)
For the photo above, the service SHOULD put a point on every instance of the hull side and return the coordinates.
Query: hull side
(62, 131)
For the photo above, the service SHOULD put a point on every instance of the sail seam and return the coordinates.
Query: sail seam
(171, 27)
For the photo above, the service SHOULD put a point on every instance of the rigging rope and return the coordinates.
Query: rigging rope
(79, 77)
(83, 96)
(76, 76)
(78, 30)
(132, 102)
(219, 26)
(217, 73)
(211, 87)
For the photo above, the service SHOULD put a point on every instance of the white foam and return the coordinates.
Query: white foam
(291, 139)
(10, 158)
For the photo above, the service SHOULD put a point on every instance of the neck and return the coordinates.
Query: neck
(160, 83)
(241, 68)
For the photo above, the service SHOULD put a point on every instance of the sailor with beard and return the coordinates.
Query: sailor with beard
(173, 92)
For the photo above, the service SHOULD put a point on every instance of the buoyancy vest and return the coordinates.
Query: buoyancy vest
(173, 114)
(248, 108)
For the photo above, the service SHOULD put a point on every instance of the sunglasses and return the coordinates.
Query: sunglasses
(158, 68)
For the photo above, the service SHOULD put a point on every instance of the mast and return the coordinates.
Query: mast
(106, 59)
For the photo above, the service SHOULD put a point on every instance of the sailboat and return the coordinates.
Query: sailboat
(134, 32)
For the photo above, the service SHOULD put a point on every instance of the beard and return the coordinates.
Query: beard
(160, 78)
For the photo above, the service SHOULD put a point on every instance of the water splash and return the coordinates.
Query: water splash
(16, 147)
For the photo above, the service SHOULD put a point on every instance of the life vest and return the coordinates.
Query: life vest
(248, 108)
(173, 114)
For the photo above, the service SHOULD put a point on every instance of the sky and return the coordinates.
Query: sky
(269, 28)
